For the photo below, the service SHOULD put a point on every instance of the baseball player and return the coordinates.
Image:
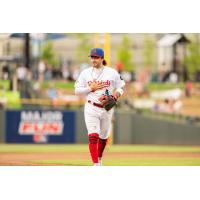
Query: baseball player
(102, 86)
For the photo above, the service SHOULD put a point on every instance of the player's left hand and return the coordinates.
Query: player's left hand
(108, 101)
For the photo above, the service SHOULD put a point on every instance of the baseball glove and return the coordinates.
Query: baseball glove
(108, 101)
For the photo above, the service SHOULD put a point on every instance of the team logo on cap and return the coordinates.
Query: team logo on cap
(97, 52)
(94, 51)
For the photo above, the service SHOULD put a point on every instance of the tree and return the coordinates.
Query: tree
(83, 47)
(149, 52)
(192, 60)
(125, 55)
(48, 54)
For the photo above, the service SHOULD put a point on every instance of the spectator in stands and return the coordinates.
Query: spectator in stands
(65, 72)
(75, 73)
(5, 72)
(188, 88)
(168, 106)
(138, 86)
(41, 70)
(51, 92)
(47, 73)
(24, 85)
(173, 77)
(119, 67)
(177, 106)
(165, 106)
(21, 72)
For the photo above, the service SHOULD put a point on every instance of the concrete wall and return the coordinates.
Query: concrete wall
(122, 129)
(138, 129)
(81, 131)
(130, 128)
(154, 131)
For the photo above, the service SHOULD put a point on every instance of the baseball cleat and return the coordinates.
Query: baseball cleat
(96, 164)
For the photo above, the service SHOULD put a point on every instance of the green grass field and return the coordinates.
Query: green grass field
(115, 155)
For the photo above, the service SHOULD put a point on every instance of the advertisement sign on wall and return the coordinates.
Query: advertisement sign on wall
(37, 126)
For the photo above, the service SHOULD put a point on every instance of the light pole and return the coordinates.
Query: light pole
(27, 50)
(102, 40)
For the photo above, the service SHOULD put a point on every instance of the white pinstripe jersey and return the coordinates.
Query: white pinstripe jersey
(106, 75)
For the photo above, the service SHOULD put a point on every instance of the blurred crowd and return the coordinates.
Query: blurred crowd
(42, 71)
(168, 106)
(29, 84)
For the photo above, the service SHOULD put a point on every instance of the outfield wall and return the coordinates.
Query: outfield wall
(40, 126)
(55, 126)
(69, 128)
(132, 128)
(81, 131)
(2, 125)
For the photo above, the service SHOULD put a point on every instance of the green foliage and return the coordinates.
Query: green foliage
(4, 84)
(48, 54)
(192, 60)
(83, 47)
(12, 98)
(125, 55)
(149, 52)
(58, 85)
(164, 86)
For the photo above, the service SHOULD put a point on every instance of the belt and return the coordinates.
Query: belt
(95, 104)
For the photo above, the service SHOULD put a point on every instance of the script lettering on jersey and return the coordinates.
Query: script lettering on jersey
(105, 83)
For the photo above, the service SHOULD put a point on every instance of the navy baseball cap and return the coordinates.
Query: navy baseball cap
(97, 52)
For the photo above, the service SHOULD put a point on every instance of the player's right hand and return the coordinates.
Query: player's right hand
(96, 86)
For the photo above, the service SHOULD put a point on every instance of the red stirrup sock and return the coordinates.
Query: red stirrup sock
(101, 146)
(93, 142)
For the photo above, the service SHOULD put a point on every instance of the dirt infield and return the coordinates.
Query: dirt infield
(31, 159)
(23, 159)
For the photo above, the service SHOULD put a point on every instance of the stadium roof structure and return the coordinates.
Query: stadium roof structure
(34, 36)
(170, 40)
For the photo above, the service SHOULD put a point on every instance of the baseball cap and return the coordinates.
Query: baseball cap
(97, 52)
